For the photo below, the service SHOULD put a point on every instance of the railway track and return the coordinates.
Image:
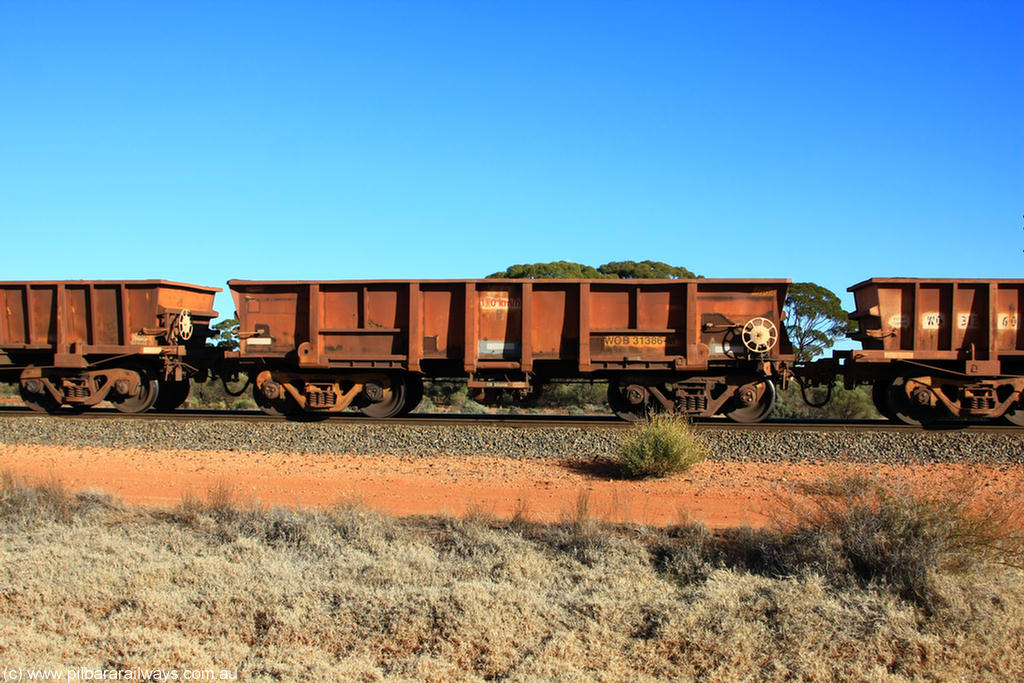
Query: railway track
(514, 421)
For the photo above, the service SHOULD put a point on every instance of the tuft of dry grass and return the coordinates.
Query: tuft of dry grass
(521, 514)
(351, 594)
(220, 498)
(659, 446)
(23, 502)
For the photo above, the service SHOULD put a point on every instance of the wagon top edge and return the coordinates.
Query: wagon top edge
(934, 281)
(498, 281)
(109, 283)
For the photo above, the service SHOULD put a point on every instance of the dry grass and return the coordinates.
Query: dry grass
(349, 594)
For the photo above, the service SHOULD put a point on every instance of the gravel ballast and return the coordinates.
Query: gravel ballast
(331, 437)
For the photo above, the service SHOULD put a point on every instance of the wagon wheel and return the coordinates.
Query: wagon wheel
(264, 403)
(392, 397)
(629, 399)
(758, 409)
(172, 394)
(42, 402)
(275, 407)
(903, 408)
(880, 397)
(413, 394)
(1015, 416)
(143, 398)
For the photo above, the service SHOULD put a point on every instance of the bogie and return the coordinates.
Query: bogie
(741, 398)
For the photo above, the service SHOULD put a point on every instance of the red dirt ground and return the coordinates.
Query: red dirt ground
(719, 494)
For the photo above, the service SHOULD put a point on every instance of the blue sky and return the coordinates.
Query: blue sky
(201, 141)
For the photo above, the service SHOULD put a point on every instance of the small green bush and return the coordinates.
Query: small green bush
(212, 395)
(845, 404)
(659, 446)
(589, 396)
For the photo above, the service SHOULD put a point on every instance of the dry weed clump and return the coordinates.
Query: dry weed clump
(581, 535)
(23, 503)
(351, 594)
(659, 446)
(877, 531)
(866, 532)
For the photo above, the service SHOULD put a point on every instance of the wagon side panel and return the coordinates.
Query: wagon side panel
(498, 317)
(273, 319)
(15, 324)
(637, 323)
(359, 323)
(554, 322)
(1008, 330)
(442, 321)
(724, 309)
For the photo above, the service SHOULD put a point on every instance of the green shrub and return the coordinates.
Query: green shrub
(659, 446)
(586, 395)
(444, 394)
(212, 395)
(845, 404)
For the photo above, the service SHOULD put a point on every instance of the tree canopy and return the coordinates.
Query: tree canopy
(226, 336)
(815, 319)
(614, 269)
(648, 269)
(555, 269)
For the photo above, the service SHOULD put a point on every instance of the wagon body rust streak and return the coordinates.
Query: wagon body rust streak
(696, 347)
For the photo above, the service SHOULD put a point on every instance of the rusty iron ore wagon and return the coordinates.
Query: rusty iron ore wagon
(930, 348)
(937, 348)
(693, 347)
(136, 343)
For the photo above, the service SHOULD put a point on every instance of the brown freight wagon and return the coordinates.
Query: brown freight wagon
(695, 347)
(936, 348)
(135, 343)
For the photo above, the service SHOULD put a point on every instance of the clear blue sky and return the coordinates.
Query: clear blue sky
(819, 141)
